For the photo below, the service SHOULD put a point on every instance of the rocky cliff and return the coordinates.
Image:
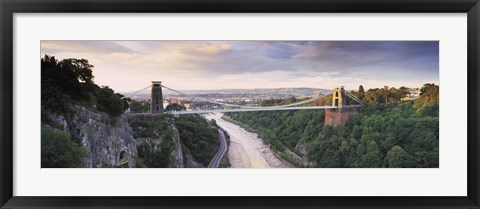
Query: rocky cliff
(165, 149)
(116, 141)
(176, 156)
(160, 142)
(109, 141)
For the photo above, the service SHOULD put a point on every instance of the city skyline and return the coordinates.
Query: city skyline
(208, 65)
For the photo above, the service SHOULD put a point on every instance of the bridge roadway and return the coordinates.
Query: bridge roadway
(250, 109)
(221, 151)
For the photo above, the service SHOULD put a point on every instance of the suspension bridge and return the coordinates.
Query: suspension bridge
(198, 104)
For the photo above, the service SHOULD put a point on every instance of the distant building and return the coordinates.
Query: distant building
(165, 104)
(175, 101)
(412, 94)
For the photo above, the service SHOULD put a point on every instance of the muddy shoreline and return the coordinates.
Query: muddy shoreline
(247, 149)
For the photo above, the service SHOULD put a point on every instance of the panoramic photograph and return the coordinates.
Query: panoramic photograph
(239, 104)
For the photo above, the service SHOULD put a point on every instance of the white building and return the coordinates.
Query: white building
(165, 104)
(412, 94)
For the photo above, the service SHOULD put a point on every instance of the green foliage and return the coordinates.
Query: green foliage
(65, 80)
(385, 95)
(397, 157)
(175, 107)
(67, 83)
(147, 157)
(283, 129)
(109, 102)
(198, 136)
(361, 92)
(372, 158)
(139, 106)
(80, 68)
(273, 102)
(428, 102)
(429, 93)
(378, 135)
(126, 101)
(160, 129)
(70, 81)
(224, 163)
(60, 151)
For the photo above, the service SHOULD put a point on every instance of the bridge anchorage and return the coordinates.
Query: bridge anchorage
(335, 114)
(341, 115)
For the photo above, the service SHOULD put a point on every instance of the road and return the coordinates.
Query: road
(221, 151)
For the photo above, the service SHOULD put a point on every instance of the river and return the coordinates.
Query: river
(246, 149)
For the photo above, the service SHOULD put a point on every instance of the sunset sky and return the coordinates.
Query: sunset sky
(127, 66)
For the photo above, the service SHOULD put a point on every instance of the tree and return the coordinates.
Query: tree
(65, 80)
(139, 106)
(427, 103)
(361, 92)
(430, 93)
(376, 96)
(331, 159)
(213, 122)
(199, 137)
(404, 91)
(372, 159)
(81, 68)
(423, 140)
(109, 102)
(175, 107)
(397, 157)
(60, 151)
(385, 93)
(126, 101)
(150, 158)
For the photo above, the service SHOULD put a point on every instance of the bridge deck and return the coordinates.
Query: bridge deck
(247, 110)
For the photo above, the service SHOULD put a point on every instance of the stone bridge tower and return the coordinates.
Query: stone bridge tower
(156, 100)
(338, 115)
(338, 99)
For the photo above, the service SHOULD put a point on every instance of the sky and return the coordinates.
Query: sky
(127, 66)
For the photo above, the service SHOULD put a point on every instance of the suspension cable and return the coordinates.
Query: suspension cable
(136, 92)
(248, 107)
(353, 97)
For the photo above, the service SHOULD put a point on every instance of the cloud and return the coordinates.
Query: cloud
(279, 50)
(343, 57)
(214, 49)
(83, 46)
(237, 64)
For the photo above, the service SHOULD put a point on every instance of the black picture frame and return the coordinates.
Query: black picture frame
(10, 7)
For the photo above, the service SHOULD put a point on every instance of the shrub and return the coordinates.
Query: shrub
(109, 102)
(60, 151)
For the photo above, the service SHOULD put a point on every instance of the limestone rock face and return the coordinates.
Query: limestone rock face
(109, 140)
(157, 143)
(190, 162)
(176, 157)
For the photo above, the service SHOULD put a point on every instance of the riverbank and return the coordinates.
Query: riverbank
(286, 156)
(246, 149)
